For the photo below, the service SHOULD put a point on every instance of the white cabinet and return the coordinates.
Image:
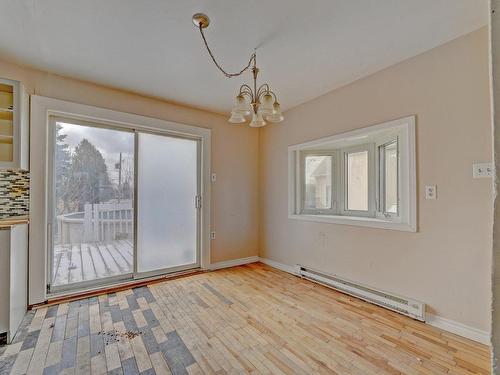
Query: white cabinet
(14, 125)
(13, 279)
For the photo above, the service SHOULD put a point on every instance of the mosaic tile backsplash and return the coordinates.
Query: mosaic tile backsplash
(14, 193)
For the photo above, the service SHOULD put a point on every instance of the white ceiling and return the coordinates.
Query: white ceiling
(305, 48)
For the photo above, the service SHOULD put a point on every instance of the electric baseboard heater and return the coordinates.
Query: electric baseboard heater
(402, 305)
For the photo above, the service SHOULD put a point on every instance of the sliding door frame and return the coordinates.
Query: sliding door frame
(140, 275)
(42, 108)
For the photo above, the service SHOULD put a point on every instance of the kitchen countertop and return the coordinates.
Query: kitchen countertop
(7, 223)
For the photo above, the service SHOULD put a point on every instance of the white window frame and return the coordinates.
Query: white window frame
(380, 179)
(370, 139)
(334, 184)
(369, 148)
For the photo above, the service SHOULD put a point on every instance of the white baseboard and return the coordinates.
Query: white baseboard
(280, 266)
(233, 263)
(458, 328)
(436, 321)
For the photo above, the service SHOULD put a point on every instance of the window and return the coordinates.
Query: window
(356, 181)
(364, 177)
(317, 182)
(388, 180)
(357, 185)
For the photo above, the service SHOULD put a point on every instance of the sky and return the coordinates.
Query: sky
(109, 142)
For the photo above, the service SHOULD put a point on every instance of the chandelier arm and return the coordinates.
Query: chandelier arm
(274, 95)
(246, 90)
(247, 93)
(263, 89)
(228, 75)
(264, 86)
(246, 87)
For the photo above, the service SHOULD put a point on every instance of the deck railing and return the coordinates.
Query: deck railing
(98, 222)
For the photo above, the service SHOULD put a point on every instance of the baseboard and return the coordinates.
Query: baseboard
(436, 321)
(280, 266)
(458, 328)
(233, 263)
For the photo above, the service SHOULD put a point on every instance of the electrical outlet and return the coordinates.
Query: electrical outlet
(430, 192)
(212, 235)
(482, 170)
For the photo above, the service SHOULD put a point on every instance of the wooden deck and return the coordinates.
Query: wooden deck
(90, 261)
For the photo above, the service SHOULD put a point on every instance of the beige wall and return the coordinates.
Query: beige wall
(446, 264)
(234, 210)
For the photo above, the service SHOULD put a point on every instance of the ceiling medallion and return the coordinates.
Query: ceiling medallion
(259, 102)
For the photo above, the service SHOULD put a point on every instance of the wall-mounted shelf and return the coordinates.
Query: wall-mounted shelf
(13, 125)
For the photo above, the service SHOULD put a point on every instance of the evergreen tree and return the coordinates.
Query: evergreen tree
(127, 191)
(88, 180)
(62, 166)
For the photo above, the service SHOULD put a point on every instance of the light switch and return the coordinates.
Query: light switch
(430, 192)
(214, 177)
(482, 170)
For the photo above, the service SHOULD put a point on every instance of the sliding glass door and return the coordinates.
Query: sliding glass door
(108, 184)
(167, 216)
(92, 223)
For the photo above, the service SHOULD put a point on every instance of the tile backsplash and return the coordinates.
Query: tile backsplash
(14, 193)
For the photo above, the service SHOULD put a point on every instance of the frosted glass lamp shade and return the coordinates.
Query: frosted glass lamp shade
(266, 106)
(236, 118)
(257, 121)
(276, 116)
(241, 106)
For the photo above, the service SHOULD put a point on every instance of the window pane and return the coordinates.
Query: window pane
(357, 181)
(318, 181)
(391, 177)
(167, 216)
(93, 231)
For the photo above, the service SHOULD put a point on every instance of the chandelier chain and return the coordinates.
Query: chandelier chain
(228, 75)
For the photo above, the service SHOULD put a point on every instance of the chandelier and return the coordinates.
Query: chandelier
(260, 103)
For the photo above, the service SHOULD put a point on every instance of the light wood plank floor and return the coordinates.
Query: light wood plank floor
(249, 319)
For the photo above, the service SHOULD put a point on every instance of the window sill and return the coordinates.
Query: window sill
(360, 221)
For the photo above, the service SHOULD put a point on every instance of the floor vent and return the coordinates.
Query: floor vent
(402, 305)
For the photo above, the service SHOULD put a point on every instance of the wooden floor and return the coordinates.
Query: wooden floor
(248, 319)
(90, 261)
